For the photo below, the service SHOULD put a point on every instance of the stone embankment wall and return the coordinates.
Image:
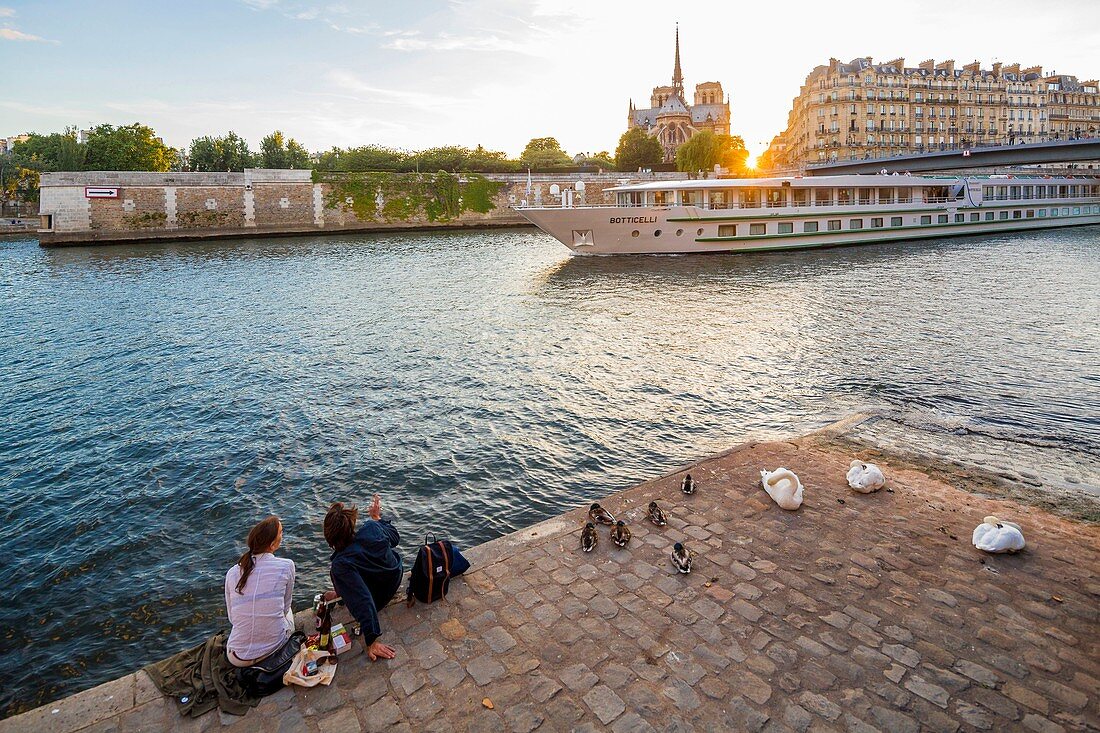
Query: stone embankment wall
(208, 205)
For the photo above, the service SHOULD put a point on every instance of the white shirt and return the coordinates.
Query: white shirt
(260, 613)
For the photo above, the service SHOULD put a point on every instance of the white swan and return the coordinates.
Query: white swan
(996, 535)
(783, 487)
(865, 477)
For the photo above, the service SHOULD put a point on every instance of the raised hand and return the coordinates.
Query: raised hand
(375, 510)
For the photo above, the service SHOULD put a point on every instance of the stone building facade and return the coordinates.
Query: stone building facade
(863, 109)
(673, 121)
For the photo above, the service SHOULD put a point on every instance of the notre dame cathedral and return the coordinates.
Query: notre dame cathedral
(672, 120)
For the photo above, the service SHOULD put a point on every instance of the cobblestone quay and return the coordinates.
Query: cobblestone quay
(854, 613)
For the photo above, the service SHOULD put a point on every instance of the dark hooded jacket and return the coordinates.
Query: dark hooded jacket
(367, 573)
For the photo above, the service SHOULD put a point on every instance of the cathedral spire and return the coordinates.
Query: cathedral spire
(677, 75)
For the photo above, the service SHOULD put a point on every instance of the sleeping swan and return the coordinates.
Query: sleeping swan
(996, 535)
(865, 477)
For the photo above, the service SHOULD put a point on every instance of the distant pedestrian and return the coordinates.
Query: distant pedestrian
(258, 590)
(366, 571)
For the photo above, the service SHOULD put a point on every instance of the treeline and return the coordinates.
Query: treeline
(136, 147)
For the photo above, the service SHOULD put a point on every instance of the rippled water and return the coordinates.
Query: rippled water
(156, 400)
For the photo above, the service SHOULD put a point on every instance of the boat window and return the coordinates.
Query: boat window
(926, 219)
(799, 197)
(959, 218)
(905, 195)
(941, 219)
(750, 198)
(1002, 215)
(679, 232)
(809, 226)
(775, 197)
(895, 221)
(727, 230)
(1017, 214)
(987, 192)
(1073, 191)
(855, 223)
(634, 233)
(935, 194)
(664, 198)
(975, 216)
(1062, 191)
(886, 195)
(756, 229)
(864, 196)
(632, 198)
(656, 232)
(786, 227)
(1027, 192)
(876, 222)
(1065, 211)
(834, 225)
(1042, 213)
(691, 198)
(1040, 192)
(844, 196)
(823, 196)
(719, 199)
(989, 216)
(1014, 193)
(1029, 214)
(1076, 210)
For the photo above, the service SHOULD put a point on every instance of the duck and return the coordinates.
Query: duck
(996, 536)
(620, 533)
(589, 537)
(865, 477)
(688, 485)
(783, 487)
(681, 558)
(600, 515)
(656, 515)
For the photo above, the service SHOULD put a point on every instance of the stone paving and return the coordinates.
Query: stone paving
(854, 613)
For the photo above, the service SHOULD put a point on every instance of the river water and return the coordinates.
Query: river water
(156, 400)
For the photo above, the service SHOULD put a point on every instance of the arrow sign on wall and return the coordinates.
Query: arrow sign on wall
(98, 192)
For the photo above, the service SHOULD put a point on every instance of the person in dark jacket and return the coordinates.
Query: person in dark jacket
(366, 571)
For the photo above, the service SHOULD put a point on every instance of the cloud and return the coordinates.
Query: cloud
(348, 82)
(10, 34)
(448, 42)
(7, 12)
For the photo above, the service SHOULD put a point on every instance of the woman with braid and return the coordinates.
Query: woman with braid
(258, 590)
(366, 571)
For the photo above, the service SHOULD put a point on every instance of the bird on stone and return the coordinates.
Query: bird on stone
(620, 533)
(656, 515)
(600, 515)
(688, 486)
(681, 558)
(589, 537)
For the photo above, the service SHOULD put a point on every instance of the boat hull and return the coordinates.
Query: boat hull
(684, 230)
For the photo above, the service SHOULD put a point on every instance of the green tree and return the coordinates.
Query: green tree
(227, 153)
(638, 150)
(543, 152)
(127, 148)
(54, 152)
(706, 150)
(278, 151)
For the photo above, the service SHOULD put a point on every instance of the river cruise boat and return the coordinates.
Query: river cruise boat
(752, 215)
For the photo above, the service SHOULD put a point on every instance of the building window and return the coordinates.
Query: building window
(834, 225)
(876, 222)
(756, 229)
(786, 227)
(855, 223)
(926, 219)
(895, 221)
(809, 226)
(727, 230)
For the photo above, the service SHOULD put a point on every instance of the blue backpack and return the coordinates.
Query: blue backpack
(436, 563)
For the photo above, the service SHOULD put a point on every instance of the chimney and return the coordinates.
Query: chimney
(1013, 69)
(833, 63)
(1034, 70)
(948, 66)
(928, 65)
(974, 68)
(997, 68)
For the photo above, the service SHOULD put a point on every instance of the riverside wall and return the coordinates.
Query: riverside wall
(151, 206)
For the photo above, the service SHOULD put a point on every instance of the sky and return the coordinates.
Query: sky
(418, 73)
